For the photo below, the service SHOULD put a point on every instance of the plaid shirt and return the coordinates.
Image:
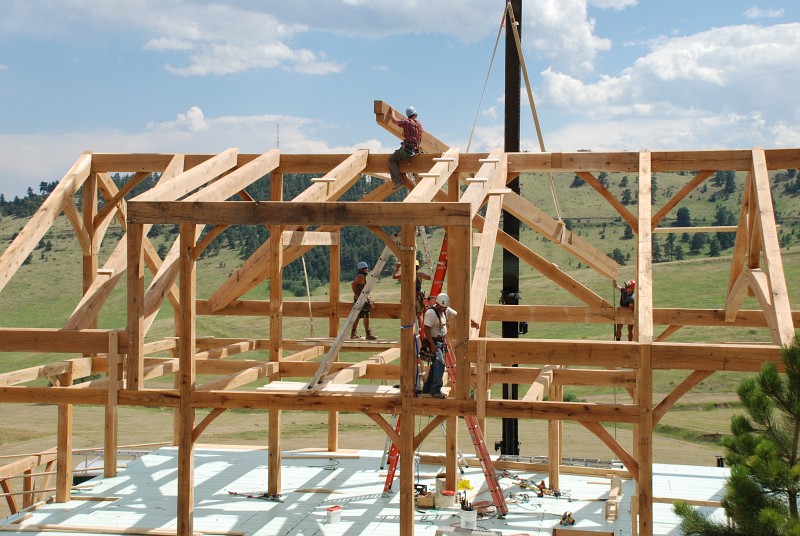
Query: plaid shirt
(412, 132)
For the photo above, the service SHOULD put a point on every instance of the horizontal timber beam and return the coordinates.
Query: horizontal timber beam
(298, 213)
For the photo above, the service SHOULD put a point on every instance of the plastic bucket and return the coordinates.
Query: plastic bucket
(469, 519)
(334, 514)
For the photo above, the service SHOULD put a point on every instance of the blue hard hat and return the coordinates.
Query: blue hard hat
(362, 265)
(410, 111)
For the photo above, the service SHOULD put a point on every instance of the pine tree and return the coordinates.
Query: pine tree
(762, 492)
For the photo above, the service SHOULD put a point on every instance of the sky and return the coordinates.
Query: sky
(181, 76)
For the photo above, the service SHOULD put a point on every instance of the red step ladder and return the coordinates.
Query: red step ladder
(394, 459)
(492, 482)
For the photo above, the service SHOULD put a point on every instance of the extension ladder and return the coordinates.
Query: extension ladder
(327, 363)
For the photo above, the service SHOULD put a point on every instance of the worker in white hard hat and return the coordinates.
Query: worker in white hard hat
(436, 318)
(420, 295)
(412, 138)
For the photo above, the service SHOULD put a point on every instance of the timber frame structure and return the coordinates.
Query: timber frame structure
(194, 191)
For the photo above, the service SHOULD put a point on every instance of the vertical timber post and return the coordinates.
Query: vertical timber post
(275, 336)
(643, 436)
(408, 313)
(333, 328)
(186, 372)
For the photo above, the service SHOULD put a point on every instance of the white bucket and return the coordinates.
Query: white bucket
(469, 519)
(334, 514)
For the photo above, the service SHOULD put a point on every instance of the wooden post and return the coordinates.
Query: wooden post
(111, 416)
(275, 336)
(135, 270)
(407, 376)
(90, 258)
(459, 263)
(64, 455)
(186, 349)
(644, 335)
(333, 329)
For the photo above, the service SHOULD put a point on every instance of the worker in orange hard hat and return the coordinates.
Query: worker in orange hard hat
(626, 299)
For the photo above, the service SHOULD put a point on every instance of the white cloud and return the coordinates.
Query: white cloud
(24, 164)
(562, 32)
(613, 4)
(758, 13)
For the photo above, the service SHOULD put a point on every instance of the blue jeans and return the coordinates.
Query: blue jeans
(434, 381)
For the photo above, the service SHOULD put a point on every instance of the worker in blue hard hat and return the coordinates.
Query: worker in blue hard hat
(358, 284)
(412, 138)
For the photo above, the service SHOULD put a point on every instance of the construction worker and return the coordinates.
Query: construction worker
(412, 137)
(420, 296)
(357, 285)
(435, 331)
(626, 299)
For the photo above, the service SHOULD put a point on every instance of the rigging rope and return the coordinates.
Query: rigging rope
(483, 93)
(514, 23)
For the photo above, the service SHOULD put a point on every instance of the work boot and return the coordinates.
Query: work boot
(396, 186)
(371, 337)
(355, 336)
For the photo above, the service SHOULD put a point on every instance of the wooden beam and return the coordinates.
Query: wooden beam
(773, 264)
(592, 181)
(428, 144)
(28, 238)
(673, 201)
(531, 216)
(191, 179)
(602, 434)
(432, 182)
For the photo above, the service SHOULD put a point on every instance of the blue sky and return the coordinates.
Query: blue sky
(200, 77)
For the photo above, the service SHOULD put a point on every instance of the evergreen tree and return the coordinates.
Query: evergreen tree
(683, 218)
(762, 492)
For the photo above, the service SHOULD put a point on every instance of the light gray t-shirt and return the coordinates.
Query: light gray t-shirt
(437, 323)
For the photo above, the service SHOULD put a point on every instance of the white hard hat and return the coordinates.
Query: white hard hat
(410, 111)
(443, 300)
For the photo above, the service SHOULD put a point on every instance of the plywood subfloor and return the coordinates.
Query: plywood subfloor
(146, 492)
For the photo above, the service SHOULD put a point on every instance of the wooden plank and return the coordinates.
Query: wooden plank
(685, 386)
(240, 178)
(28, 238)
(563, 352)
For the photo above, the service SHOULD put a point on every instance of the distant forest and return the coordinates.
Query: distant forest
(357, 243)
